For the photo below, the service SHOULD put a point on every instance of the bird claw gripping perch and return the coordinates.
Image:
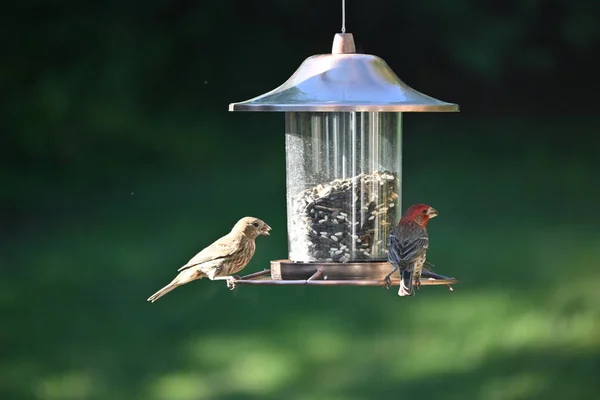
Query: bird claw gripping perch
(388, 282)
(231, 282)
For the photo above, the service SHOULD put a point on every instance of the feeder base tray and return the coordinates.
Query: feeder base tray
(286, 272)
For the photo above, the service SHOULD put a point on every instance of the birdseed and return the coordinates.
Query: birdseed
(345, 219)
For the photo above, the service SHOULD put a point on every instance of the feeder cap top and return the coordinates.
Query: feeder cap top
(344, 81)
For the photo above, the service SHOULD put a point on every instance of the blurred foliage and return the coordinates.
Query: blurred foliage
(81, 80)
(119, 160)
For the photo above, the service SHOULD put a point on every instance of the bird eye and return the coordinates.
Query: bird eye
(255, 224)
(425, 211)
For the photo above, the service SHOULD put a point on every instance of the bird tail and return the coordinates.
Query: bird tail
(406, 283)
(185, 276)
(171, 286)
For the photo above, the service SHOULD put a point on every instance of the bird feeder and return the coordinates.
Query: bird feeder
(343, 139)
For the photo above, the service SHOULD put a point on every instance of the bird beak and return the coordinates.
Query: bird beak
(265, 231)
(432, 212)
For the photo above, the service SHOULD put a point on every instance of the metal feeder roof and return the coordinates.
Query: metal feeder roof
(344, 81)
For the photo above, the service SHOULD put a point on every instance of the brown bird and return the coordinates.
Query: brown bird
(222, 259)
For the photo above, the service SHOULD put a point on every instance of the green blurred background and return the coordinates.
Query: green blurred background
(119, 161)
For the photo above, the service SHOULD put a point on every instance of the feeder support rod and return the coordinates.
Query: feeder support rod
(343, 16)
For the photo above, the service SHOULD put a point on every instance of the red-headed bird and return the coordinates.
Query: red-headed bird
(408, 244)
(222, 259)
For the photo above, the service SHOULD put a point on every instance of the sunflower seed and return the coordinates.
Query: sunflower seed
(351, 214)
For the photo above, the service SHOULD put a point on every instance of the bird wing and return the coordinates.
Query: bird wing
(223, 247)
(407, 243)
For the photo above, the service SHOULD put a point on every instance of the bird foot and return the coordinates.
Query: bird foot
(231, 281)
(388, 281)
